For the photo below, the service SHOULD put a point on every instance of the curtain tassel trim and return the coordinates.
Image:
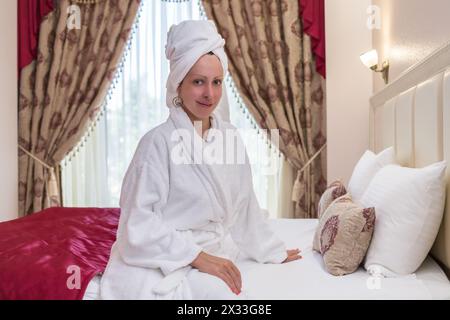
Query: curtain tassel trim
(299, 188)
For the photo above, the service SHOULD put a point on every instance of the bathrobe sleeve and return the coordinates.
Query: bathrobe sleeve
(144, 239)
(250, 230)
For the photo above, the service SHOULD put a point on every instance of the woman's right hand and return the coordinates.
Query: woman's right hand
(219, 267)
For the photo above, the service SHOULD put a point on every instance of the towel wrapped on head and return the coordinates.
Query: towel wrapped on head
(186, 43)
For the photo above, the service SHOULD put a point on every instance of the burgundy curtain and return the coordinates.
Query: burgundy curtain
(312, 13)
(30, 14)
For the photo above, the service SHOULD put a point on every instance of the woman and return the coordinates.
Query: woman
(184, 223)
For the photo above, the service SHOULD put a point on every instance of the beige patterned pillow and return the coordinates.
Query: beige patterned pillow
(343, 235)
(333, 191)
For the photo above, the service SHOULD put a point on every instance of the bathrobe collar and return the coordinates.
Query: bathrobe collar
(181, 120)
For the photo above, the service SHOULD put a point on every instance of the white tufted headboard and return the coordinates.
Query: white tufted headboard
(413, 114)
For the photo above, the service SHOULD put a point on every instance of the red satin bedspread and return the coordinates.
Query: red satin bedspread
(53, 254)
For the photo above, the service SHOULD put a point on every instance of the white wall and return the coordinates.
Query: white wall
(410, 30)
(349, 85)
(8, 105)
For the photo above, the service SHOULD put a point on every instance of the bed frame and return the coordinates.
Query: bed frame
(413, 114)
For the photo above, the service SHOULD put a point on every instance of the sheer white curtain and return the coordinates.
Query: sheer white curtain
(93, 176)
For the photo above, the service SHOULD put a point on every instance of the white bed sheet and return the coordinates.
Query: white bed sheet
(307, 278)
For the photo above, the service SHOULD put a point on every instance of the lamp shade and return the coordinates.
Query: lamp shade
(370, 58)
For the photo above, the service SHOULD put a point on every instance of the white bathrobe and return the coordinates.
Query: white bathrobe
(170, 212)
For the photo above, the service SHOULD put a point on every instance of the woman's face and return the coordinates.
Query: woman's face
(201, 89)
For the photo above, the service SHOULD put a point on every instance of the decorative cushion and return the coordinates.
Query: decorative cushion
(343, 235)
(333, 191)
(410, 205)
(365, 170)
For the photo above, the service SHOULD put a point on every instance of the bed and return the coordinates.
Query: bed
(308, 279)
(412, 114)
(37, 253)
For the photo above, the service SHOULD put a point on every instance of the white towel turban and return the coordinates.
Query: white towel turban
(186, 43)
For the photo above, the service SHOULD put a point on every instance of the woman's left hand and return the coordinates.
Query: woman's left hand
(293, 255)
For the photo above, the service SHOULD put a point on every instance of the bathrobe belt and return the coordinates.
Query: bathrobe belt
(210, 238)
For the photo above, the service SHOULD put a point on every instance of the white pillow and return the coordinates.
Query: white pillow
(409, 205)
(365, 170)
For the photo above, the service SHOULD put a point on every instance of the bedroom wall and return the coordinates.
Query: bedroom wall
(410, 30)
(8, 104)
(349, 85)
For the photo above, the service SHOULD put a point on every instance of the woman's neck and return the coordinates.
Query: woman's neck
(206, 123)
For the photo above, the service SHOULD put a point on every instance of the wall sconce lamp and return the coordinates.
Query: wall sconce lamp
(370, 60)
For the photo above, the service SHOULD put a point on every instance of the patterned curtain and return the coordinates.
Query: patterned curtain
(61, 92)
(271, 63)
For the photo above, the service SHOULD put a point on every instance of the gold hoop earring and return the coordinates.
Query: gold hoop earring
(177, 102)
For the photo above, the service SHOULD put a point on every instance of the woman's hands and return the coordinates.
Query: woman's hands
(219, 267)
(293, 255)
